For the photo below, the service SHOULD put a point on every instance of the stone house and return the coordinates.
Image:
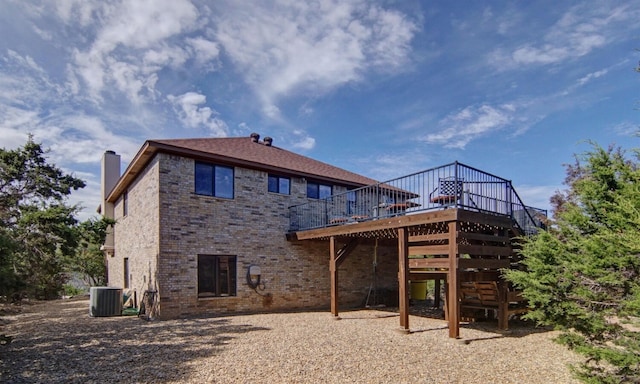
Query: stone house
(203, 224)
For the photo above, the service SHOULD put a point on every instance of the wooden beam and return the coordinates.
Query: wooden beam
(453, 306)
(503, 306)
(484, 237)
(483, 218)
(343, 252)
(431, 262)
(427, 275)
(485, 250)
(429, 250)
(430, 237)
(379, 224)
(403, 274)
(483, 263)
(333, 268)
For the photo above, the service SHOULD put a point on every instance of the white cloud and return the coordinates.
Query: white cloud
(84, 139)
(88, 197)
(76, 11)
(193, 115)
(458, 129)
(30, 102)
(204, 50)
(390, 165)
(580, 30)
(311, 46)
(591, 76)
(303, 141)
(537, 196)
(626, 128)
(133, 42)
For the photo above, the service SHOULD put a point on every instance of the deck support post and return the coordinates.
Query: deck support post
(333, 268)
(403, 274)
(436, 293)
(503, 306)
(453, 305)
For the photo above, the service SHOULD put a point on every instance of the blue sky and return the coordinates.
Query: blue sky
(381, 88)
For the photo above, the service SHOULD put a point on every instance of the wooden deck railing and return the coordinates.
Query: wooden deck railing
(453, 185)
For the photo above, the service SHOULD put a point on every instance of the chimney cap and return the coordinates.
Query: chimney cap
(110, 152)
(268, 141)
(254, 137)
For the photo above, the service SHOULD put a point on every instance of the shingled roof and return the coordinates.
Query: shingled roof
(248, 152)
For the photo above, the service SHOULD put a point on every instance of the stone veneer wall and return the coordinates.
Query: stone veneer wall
(136, 234)
(169, 223)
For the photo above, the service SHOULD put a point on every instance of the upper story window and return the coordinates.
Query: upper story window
(351, 202)
(125, 203)
(214, 180)
(279, 184)
(318, 191)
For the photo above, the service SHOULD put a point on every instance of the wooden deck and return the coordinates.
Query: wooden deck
(451, 244)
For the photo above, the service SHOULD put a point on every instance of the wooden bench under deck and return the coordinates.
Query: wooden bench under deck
(487, 295)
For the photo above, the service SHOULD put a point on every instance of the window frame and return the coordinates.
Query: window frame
(212, 180)
(317, 190)
(211, 266)
(125, 203)
(279, 179)
(127, 281)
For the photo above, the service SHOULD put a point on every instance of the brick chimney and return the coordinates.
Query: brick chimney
(109, 179)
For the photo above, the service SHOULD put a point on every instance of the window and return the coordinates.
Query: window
(125, 203)
(318, 191)
(126, 273)
(279, 184)
(351, 202)
(214, 180)
(216, 276)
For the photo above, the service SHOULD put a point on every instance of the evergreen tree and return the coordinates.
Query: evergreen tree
(88, 259)
(583, 274)
(36, 224)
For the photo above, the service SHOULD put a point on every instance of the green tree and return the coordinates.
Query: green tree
(88, 259)
(37, 225)
(583, 274)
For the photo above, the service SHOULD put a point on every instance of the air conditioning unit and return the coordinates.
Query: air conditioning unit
(105, 301)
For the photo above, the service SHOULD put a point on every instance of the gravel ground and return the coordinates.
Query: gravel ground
(57, 342)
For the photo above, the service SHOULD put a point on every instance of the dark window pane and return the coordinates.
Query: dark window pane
(312, 190)
(324, 191)
(216, 276)
(224, 182)
(206, 280)
(204, 179)
(284, 186)
(226, 275)
(273, 184)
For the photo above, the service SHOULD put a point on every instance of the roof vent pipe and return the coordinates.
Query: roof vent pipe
(255, 137)
(268, 141)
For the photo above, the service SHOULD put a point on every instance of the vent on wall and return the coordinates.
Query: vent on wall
(105, 301)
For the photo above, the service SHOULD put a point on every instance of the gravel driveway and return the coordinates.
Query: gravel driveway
(57, 342)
